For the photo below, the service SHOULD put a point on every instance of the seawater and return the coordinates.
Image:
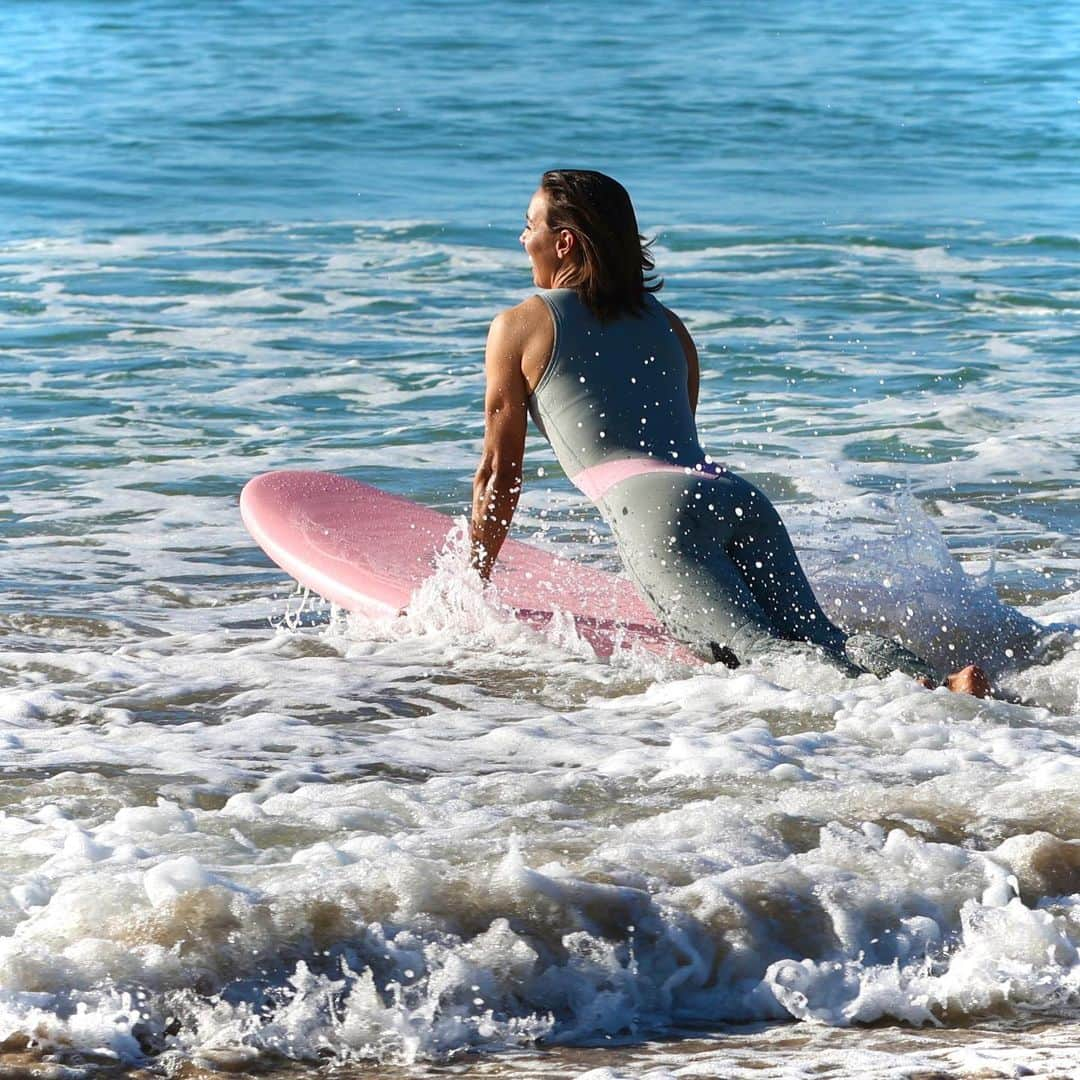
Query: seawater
(241, 830)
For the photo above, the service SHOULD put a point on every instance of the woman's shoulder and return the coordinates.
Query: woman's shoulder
(653, 303)
(530, 309)
(525, 334)
(523, 327)
(668, 315)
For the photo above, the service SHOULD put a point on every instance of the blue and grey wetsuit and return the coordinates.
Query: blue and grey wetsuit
(706, 548)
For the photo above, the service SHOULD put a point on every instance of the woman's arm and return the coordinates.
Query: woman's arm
(497, 484)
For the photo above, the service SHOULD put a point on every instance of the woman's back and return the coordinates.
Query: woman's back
(614, 390)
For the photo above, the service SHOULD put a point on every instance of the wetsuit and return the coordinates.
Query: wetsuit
(706, 548)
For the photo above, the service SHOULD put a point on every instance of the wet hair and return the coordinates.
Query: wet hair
(614, 259)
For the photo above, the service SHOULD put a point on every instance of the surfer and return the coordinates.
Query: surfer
(610, 377)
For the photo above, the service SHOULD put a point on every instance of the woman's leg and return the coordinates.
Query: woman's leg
(766, 558)
(713, 559)
(762, 550)
(675, 536)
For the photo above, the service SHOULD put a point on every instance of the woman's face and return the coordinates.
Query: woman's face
(544, 247)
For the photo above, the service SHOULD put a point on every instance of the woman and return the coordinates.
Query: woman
(610, 377)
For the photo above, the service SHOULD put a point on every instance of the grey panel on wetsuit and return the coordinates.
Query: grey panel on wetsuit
(614, 389)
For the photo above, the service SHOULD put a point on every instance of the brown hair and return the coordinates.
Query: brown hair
(610, 276)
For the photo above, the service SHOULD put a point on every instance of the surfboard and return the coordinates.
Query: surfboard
(368, 551)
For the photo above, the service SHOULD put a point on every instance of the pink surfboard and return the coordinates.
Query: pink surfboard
(368, 551)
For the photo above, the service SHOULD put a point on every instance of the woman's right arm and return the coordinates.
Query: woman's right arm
(497, 483)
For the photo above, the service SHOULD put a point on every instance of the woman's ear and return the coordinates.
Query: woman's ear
(564, 243)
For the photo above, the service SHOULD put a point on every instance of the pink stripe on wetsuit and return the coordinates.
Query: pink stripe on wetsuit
(597, 481)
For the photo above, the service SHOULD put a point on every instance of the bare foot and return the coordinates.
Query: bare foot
(970, 680)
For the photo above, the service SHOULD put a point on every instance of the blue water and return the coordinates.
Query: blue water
(244, 236)
(137, 115)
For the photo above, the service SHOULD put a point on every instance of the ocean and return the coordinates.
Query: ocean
(243, 831)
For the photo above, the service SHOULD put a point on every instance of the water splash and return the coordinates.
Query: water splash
(907, 583)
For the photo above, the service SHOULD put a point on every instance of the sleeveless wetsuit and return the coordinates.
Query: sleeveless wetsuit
(705, 547)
